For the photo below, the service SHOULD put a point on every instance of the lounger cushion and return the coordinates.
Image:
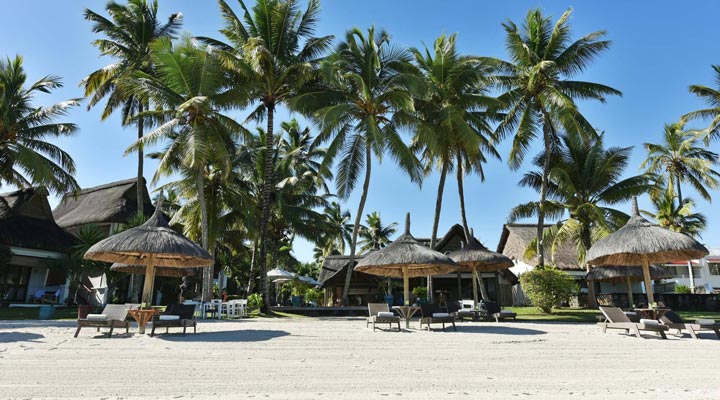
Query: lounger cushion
(649, 322)
(169, 317)
(506, 312)
(96, 317)
(385, 314)
(440, 315)
(705, 321)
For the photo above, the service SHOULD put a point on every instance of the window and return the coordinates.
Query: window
(714, 268)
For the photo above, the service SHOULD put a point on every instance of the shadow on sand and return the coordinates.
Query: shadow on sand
(246, 335)
(499, 330)
(9, 337)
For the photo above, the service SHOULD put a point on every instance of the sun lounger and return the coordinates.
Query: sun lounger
(492, 310)
(615, 318)
(673, 321)
(431, 315)
(175, 316)
(113, 316)
(379, 313)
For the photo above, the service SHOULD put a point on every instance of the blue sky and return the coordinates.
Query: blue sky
(659, 48)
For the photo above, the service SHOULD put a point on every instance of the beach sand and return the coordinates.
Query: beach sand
(338, 358)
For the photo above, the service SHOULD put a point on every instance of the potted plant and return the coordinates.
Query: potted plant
(298, 290)
(388, 287)
(420, 293)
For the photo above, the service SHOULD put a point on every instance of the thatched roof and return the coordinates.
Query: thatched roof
(334, 268)
(159, 271)
(153, 239)
(406, 252)
(477, 257)
(515, 239)
(641, 238)
(111, 203)
(26, 221)
(620, 273)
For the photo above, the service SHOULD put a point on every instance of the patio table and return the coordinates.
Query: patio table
(143, 316)
(406, 312)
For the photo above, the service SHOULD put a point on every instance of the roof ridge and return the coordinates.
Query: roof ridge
(102, 187)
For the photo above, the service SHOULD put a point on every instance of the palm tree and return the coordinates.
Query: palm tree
(127, 37)
(683, 160)
(273, 47)
(26, 158)
(341, 233)
(452, 129)
(676, 217)
(374, 235)
(191, 95)
(367, 97)
(584, 182)
(711, 97)
(540, 92)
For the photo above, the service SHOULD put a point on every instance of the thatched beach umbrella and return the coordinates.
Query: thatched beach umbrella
(641, 242)
(475, 257)
(406, 258)
(625, 274)
(152, 244)
(159, 271)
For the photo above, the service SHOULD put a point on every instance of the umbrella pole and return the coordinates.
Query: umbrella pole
(630, 292)
(646, 277)
(459, 282)
(406, 286)
(148, 286)
(475, 288)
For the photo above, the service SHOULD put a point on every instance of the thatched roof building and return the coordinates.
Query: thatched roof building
(515, 239)
(112, 203)
(26, 221)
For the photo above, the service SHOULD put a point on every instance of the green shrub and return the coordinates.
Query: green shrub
(313, 294)
(682, 289)
(420, 292)
(547, 287)
(255, 301)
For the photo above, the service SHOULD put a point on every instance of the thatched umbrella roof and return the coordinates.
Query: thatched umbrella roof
(621, 273)
(405, 257)
(150, 244)
(641, 242)
(159, 271)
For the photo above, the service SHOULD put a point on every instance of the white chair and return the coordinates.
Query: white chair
(242, 307)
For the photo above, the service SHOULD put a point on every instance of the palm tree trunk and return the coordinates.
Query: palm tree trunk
(207, 286)
(251, 280)
(587, 243)
(436, 221)
(265, 215)
(461, 194)
(356, 227)
(140, 181)
(679, 191)
(543, 189)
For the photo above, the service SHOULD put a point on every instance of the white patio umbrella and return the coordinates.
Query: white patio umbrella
(308, 280)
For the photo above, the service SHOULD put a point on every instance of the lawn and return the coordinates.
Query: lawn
(588, 315)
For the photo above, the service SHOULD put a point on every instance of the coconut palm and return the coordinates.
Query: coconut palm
(374, 234)
(452, 128)
(711, 97)
(26, 158)
(584, 182)
(191, 94)
(540, 90)
(340, 235)
(366, 98)
(677, 217)
(127, 37)
(684, 160)
(274, 47)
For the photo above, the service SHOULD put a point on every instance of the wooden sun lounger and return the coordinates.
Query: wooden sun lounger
(673, 321)
(116, 315)
(373, 318)
(616, 319)
(185, 312)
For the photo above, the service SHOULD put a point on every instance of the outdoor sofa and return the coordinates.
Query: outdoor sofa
(175, 316)
(113, 316)
(615, 318)
(379, 313)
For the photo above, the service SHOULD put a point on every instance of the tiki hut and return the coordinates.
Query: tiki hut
(641, 242)
(150, 244)
(475, 257)
(406, 257)
(625, 274)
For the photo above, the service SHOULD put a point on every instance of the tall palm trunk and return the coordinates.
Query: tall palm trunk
(461, 194)
(587, 243)
(547, 138)
(207, 286)
(436, 221)
(251, 280)
(140, 171)
(265, 215)
(356, 227)
(679, 191)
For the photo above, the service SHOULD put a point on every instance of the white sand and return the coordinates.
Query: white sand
(340, 359)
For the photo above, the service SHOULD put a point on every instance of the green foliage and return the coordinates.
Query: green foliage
(420, 292)
(682, 289)
(314, 294)
(255, 301)
(547, 287)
